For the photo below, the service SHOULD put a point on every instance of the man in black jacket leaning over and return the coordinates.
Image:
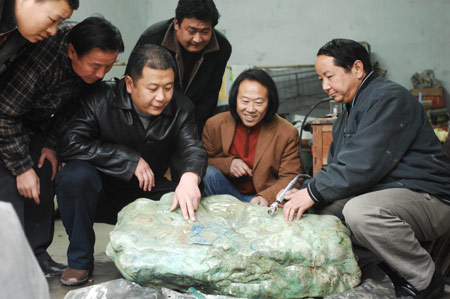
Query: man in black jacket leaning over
(118, 149)
(387, 176)
(201, 52)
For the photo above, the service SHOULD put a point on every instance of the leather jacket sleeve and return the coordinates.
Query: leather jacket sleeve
(189, 156)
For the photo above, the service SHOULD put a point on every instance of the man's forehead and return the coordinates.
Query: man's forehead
(194, 23)
(98, 55)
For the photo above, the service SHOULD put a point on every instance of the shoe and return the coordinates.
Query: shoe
(52, 268)
(75, 277)
(404, 289)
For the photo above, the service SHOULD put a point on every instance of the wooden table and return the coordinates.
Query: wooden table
(322, 137)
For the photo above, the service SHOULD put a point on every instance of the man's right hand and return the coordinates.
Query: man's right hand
(28, 185)
(145, 175)
(238, 168)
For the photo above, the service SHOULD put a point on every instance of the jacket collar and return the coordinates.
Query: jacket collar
(8, 21)
(171, 43)
(123, 99)
(365, 82)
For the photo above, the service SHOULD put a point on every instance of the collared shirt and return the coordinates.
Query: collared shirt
(32, 93)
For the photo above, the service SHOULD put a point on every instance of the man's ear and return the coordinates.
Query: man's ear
(129, 83)
(358, 68)
(71, 51)
(176, 25)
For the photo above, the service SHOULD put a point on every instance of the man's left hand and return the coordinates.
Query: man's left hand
(50, 155)
(187, 195)
(298, 201)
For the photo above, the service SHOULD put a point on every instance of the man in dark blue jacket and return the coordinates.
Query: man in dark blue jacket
(387, 176)
(200, 51)
(118, 149)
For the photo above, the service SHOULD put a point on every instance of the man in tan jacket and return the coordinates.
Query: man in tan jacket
(252, 152)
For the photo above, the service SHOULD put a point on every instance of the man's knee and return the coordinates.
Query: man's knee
(77, 175)
(356, 215)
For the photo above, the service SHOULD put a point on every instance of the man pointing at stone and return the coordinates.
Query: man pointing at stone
(129, 132)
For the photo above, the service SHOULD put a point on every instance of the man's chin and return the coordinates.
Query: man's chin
(195, 49)
(91, 81)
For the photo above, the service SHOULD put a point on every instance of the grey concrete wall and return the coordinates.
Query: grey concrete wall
(406, 36)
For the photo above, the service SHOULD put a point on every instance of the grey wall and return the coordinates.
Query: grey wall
(406, 36)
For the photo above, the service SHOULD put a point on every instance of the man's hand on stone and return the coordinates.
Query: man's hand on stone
(298, 202)
(238, 168)
(50, 155)
(260, 201)
(144, 175)
(28, 185)
(187, 195)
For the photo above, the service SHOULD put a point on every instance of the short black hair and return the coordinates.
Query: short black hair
(74, 4)
(345, 52)
(95, 32)
(264, 79)
(202, 10)
(149, 55)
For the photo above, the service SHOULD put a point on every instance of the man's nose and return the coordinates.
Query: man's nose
(251, 107)
(159, 95)
(100, 72)
(52, 29)
(197, 37)
(325, 85)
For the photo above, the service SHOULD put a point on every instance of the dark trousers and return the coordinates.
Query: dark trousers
(37, 219)
(86, 195)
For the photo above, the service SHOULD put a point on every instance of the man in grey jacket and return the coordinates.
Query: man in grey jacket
(387, 176)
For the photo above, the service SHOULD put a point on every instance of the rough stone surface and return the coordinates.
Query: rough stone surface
(233, 249)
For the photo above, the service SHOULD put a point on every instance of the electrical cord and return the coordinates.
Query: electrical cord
(304, 121)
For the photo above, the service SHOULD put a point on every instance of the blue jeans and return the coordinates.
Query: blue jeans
(216, 183)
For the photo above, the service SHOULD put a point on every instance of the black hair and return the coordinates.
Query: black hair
(74, 4)
(95, 32)
(202, 10)
(148, 55)
(264, 79)
(345, 52)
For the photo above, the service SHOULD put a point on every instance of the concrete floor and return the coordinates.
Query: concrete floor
(105, 269)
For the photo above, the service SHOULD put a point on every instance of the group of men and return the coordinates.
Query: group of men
(390, 186)
(139, 126)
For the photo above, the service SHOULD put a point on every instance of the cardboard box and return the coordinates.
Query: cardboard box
(428, 91)
(431, 97)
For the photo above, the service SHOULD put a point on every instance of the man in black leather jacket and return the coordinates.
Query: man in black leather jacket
(118, 149)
